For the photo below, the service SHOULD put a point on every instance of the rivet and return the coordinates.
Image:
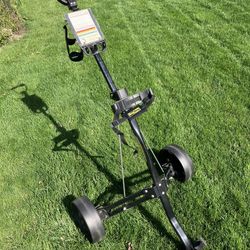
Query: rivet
(146, 191)
(152, 196)
(159, 184)
(124, 208)
(163, 193)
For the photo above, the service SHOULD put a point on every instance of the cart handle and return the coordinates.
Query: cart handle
(72, 4)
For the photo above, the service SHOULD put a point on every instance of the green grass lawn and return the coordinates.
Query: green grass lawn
(195, 55)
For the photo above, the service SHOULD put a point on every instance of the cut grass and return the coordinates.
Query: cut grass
(195, 56)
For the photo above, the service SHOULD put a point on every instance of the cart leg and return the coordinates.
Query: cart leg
(177, 227)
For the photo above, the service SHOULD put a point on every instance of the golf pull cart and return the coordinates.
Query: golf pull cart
(171, 162)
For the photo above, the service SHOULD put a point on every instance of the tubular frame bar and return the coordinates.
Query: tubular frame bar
(135, 199)
(105, 73)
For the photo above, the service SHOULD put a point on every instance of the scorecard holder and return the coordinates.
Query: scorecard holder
(86, 31)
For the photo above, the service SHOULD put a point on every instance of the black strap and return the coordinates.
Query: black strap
(116, 122)
(74, 56)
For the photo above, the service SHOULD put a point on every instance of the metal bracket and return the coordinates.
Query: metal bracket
(133, 200)
(72, 4)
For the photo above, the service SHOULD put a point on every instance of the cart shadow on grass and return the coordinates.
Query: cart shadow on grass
(70, 137)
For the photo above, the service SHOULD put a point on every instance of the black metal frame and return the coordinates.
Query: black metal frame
(160, 183)
(159, 188)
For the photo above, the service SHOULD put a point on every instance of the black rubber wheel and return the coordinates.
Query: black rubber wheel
(88, 219)
(179, 159)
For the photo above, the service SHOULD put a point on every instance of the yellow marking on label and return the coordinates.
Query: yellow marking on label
(135, 111)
